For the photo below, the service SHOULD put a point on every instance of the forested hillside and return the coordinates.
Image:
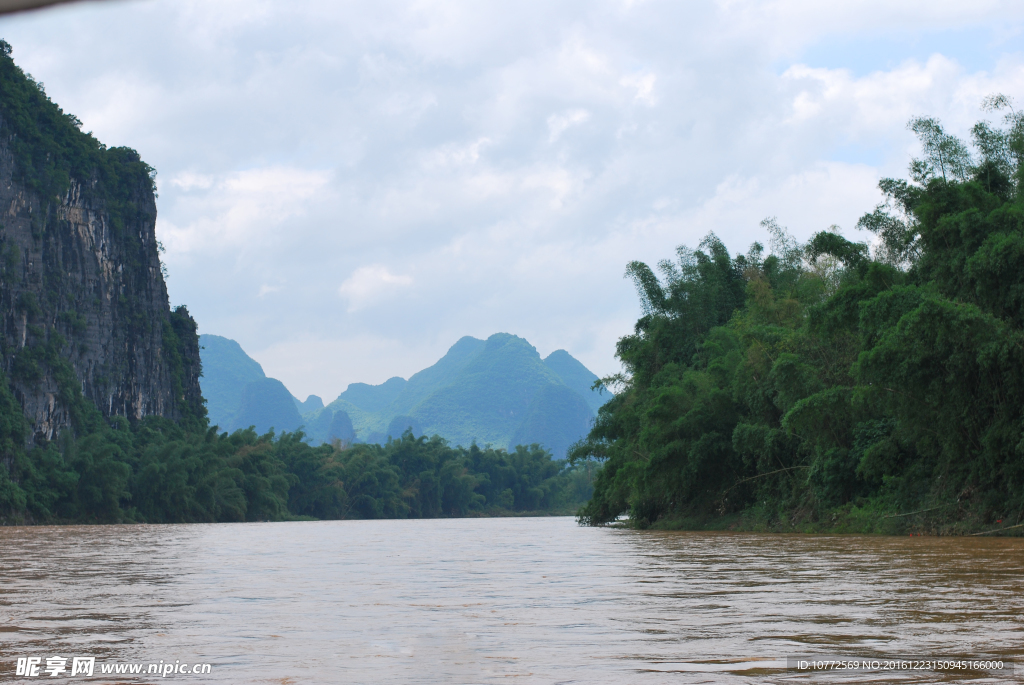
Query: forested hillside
(227, 370)
(833, 384)
(496, 391)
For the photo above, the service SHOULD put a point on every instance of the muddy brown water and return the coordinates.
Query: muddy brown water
(528, 600)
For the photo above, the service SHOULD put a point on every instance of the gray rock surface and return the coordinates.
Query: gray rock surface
(77, 286)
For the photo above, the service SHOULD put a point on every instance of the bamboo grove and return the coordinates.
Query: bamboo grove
(862, 386)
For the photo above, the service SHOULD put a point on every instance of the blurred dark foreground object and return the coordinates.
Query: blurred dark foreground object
(10, 6)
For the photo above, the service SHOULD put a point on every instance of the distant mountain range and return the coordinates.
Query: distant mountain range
(496, 391)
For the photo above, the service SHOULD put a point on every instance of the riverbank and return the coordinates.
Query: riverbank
(868, 519)
(14, 520)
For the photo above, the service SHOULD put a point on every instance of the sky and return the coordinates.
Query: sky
(347, 188)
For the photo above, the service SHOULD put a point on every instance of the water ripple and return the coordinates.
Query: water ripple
(494, 600)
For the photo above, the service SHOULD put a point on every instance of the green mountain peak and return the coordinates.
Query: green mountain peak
(496, 391)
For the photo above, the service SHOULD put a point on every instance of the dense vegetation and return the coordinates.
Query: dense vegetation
(50, 149)
(833, 384)
(161, 471)
(157, 470)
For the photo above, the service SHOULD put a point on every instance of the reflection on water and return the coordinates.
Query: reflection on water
(500, 600)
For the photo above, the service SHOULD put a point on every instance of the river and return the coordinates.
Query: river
(522, 600)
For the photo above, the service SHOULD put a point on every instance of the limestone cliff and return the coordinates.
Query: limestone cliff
(83, 303)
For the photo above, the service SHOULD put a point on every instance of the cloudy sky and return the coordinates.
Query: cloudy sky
(346, 188)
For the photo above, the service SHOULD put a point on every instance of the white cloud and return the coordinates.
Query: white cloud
(267, 289)
(559, 123)
(374, 359)
(643, 84)
(187, 181)
(805, 202)
(873, 102)
(239, 209)
(453, 155)
(370, 284)
(467, 168)
(805, 20)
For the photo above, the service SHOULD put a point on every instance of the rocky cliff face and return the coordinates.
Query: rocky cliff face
(83, 300)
